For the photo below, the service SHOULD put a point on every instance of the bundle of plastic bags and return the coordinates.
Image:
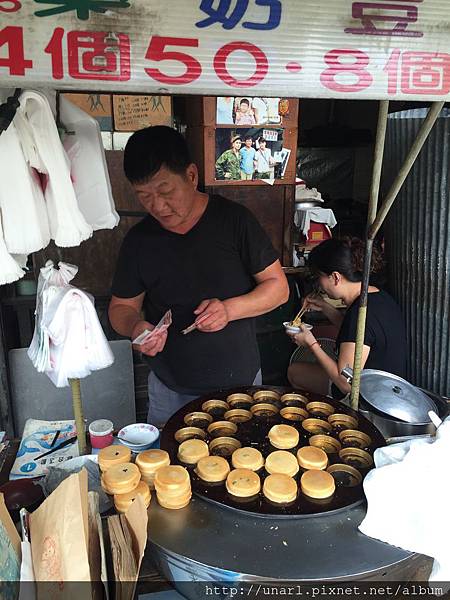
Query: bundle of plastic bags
(68, 341)
(50, 189)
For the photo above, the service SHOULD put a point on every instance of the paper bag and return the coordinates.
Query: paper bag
(96, 550)
(137, 519)
(9, 555)
(9, 526)
(59, 542)
(128, 538)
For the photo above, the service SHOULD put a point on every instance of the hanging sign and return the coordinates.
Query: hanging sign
(329, 48)
(136, 112)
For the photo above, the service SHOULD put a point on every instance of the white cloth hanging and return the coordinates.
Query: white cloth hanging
(24, 213)
(304, 216)
(44, 152)
(89, 171)
(9, 269)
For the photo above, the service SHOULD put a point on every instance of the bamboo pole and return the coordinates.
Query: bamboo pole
(78, 414)
(371, 215)
(426, 127)
(374, 222)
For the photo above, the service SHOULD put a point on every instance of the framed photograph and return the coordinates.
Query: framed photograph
(249, 111)
(248, 154)
(270, 152)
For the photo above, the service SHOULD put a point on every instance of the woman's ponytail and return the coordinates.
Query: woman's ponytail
(345, 256)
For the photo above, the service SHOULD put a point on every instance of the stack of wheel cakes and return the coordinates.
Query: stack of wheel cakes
(271, 452)
(125, 480)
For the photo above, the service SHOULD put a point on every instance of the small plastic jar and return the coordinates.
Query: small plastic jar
(101, 433)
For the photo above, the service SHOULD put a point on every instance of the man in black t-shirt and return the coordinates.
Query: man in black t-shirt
(205, 258)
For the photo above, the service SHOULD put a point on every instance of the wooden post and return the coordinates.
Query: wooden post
(374, 221)
(78, 414)
(371, 215)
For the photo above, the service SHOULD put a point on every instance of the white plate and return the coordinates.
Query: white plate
(138, 436)
(292, 329)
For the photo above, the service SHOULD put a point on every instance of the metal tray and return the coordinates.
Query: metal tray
(254, 433)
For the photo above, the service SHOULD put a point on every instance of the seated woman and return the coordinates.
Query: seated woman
(338, 265)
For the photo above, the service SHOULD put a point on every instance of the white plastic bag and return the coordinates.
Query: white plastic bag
(68, 341)
(44, 151)
(407, 495)
(88, 167)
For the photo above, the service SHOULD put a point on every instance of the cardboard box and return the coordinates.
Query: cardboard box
(318, 232)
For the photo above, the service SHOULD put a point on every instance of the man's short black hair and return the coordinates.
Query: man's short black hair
(151, 148)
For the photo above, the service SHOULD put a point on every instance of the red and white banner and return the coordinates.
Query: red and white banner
(398, 49)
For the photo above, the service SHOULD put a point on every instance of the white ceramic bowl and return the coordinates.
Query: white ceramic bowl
(292, 329)
(138, 436)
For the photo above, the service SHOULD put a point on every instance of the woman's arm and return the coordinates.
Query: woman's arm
(331, 367)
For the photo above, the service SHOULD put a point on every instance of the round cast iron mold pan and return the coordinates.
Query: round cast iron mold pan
(254, 433)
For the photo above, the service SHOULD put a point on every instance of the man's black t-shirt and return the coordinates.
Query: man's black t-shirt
(385, 333)
(215, 259)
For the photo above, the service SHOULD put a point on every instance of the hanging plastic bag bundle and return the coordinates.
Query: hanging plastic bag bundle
(44, 151)
(68, 341)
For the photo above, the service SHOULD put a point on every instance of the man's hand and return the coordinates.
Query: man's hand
(212, 315)
(154, 345)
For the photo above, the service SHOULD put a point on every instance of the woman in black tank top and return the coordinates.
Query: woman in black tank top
(338, 267)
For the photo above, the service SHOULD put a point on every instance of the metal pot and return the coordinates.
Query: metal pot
(396, 407)
(391, 427)
(304, 204)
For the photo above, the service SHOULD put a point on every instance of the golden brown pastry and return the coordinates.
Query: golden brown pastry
(282, 461)
(243, 483)
(283, 437)
(317, 484)
(121, 479)
(113, 455)
(173, 486)
(191, 451)
(212, 468)
(247, 458)
(174, 503)
(310, 457)
(280, 488)
(172, 480)
(149, 461)
(122, 502)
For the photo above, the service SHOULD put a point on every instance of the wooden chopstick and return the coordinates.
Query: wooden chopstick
(299, 315)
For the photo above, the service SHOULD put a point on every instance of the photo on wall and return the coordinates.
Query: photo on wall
(248, 154)
(248, 111)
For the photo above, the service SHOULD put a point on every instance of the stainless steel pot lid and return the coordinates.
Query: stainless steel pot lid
(394, 396)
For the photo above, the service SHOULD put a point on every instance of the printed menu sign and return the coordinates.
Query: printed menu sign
(136, 112)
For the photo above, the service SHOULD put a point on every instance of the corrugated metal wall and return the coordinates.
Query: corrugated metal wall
(418, 245)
